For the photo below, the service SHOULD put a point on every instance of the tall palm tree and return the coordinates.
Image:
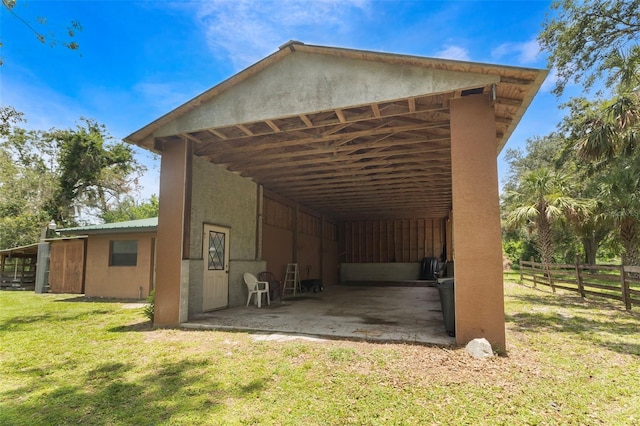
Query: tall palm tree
(539, 202)
(621, 190)
(613, 129)
(610, 136)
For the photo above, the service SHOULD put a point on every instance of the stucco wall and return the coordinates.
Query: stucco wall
(304, 82)
(130, 282)
(225, 199)
(479, 294)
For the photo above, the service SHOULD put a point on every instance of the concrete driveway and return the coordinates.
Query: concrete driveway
(384, 314)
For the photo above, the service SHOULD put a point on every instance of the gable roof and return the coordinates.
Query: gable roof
(129, 226)
(525, 82)
(344, 132)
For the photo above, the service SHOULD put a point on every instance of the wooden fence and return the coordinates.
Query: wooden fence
(617, 282)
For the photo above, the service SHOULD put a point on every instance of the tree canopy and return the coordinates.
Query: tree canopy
(70, 176)
(596, 144)
(583, 39)
(48, 37)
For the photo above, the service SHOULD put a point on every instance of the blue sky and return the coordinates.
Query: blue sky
(139, 60)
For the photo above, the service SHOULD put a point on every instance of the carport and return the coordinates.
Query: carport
(337, 159)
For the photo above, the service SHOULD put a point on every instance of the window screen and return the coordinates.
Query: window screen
(124, 253)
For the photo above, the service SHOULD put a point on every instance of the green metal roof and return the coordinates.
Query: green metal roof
(140, 225)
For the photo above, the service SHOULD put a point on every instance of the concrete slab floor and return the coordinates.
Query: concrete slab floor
(381, 314)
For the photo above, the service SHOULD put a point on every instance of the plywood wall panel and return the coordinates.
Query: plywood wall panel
(383, 241)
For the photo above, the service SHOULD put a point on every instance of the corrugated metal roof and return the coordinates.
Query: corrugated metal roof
(29, 249)
(139, 225)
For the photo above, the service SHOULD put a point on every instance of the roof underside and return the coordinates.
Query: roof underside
(387, 158)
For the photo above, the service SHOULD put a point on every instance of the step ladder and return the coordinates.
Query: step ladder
(291, 279)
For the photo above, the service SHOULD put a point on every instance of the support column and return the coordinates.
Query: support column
(172, 247)
(477, 237)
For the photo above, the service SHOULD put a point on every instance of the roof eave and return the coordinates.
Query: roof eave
(144, 136)
(534, 88)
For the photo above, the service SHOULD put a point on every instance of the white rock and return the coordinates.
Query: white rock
(480, 348)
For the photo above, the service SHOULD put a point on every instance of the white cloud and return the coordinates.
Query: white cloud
(550, 82)
(454, 52)
(247, 30)
(525, 53)
(164, 96)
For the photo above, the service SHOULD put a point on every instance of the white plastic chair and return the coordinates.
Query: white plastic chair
(253, 285)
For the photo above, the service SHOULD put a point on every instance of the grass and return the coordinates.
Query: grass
(66, 360)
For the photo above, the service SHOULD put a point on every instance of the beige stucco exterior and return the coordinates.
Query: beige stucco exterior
(172, 291)
(128, 282)
(316, 82)
(224, 199)
(476, 223)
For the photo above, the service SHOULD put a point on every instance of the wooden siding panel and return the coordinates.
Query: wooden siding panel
(382, 241)
(278, 214)
(66, 267)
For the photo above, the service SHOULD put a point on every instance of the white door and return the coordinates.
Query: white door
(215, 282)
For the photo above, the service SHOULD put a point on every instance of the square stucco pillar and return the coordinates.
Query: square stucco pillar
(171, 299)
(479, 293)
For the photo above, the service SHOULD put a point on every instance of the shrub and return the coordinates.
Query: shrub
(149, 308)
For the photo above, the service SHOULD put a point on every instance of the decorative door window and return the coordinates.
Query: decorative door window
(216, 251)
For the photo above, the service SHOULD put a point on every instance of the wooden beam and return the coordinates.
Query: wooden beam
(252, 165)
(346, 186)
(218, 134)
(373, 195)
(302, 188)
(259, 143)
(245, 130)
(187, 136)
(306, 120)
(504, 120)
(385, 112)
(515, 81)
(509, 102)
(273, 126)
(376, 110)
(335, 152)
(412, 104)
(322, 170)
(364, 183)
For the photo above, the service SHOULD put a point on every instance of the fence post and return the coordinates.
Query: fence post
(549, 278)
(624, 286)
(520, 269)
(579, 277)
(533, 273)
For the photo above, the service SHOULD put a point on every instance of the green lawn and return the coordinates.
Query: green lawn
(64, 360)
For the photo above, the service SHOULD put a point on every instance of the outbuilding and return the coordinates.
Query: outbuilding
(345, 162)
(114, 260)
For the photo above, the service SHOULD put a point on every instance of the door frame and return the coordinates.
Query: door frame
(206, 228)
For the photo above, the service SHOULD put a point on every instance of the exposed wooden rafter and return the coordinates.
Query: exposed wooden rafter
(382, 160)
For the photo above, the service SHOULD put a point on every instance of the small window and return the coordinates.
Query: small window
(123, 253)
